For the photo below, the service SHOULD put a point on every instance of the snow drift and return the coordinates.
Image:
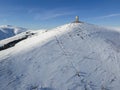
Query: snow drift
(7, 31)
(75, 56)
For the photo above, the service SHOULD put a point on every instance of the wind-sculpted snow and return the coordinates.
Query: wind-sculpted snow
(7, 31)
(71, 57)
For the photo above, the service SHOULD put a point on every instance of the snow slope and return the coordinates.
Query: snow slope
(75, 56)
(25, 35)
(7, 31)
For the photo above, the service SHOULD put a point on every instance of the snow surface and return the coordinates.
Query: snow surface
(7, 31)
(75, 56)
(20, 36)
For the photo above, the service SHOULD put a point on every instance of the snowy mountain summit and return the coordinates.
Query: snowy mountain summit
(75, 56)
(7, 31)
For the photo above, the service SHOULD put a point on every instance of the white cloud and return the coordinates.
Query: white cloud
(116, 28)
(107, 16)
(110, 15)
(50, 14)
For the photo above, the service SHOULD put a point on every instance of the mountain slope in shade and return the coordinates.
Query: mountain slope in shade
(7, 31)
(75, 56)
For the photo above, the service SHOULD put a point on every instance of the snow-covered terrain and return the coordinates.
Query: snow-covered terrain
(75, 56)
(7, 31)
(12, 41)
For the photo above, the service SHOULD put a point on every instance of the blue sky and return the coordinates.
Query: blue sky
(36, 14)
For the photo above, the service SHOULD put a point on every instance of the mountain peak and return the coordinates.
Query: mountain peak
(7, 31)
(6, 26)
(75, 56)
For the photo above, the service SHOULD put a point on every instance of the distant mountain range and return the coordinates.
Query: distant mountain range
(7, 31)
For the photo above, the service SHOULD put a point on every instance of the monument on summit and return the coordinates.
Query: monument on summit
(77, 20)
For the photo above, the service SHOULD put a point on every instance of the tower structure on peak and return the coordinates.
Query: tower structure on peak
(77, 20)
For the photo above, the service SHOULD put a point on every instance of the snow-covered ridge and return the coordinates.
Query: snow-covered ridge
(7, 31)
(75, 56)
(10, 42)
